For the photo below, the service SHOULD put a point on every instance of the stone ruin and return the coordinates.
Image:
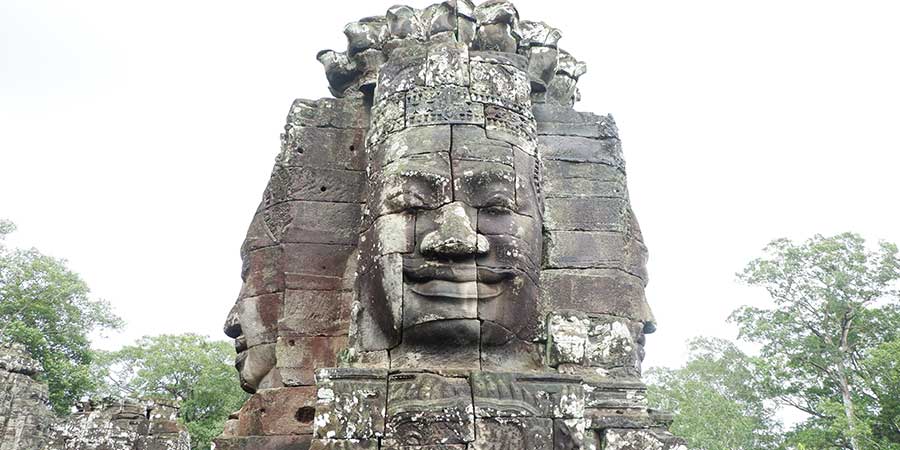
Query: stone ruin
(27, 423)
(120, 425)
(25, 418)
(445, 256)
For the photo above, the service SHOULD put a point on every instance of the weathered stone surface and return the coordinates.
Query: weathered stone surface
(25, 416)
(315, 313)
(600, 291)
(285, 442)
(514, 433)
(281, 411)
(586, 214)
(641, 440)
(567, 335)
(605, 393)
(298, 356)
(119, 424)
(315, 266)
(351, 403)
(535, 395)
(328, 113)
(344, 444)
(425, 409)
(324, 148)
(572, 434)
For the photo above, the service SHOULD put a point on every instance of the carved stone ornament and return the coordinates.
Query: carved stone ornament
(446, 256)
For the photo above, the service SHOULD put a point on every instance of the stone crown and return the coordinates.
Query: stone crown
(492, 26)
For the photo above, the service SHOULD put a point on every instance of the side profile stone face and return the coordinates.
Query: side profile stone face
(446, 256)
(25, 416)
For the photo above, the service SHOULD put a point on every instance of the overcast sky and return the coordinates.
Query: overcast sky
(136, 138)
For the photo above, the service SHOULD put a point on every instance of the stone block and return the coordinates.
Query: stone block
(388, 445)
(584, 249)
(527, 395)
(324, 148)
(611, 394)
(315, 266)
(598, 291)
(299, 442)
(449, 344)
(586, 214)
(567, 336)
(470, 143)
(351, 403)
(280, 411)
(615, 342)
(315, 313)
(626, 439)
(323, 223)
(582, 179)
(412, 141)
(263, 272)
(329, 113)
(299, 356)
(606, 418)
(582, 150)
(327, 185)
(344, 444)
(513, 433)
(603, 128)
(426, 409)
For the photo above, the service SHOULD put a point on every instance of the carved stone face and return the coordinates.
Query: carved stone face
(456, 235)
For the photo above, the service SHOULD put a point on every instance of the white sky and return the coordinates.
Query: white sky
(136, 138)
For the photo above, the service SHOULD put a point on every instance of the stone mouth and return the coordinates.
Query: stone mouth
(456, 273)
(456, 290)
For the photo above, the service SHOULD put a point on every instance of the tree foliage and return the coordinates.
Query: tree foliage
(717, 398)
(187, 370)
(47, 308)
(834, 313)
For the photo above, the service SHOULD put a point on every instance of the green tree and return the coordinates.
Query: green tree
(716, 397)
(47, 308)
(189, 371)
(834, 301)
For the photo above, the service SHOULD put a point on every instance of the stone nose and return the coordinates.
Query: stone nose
(232, 326)
(454, 236)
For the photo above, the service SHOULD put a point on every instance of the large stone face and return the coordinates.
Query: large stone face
(446, 252)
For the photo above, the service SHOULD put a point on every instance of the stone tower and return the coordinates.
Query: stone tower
(445, 257)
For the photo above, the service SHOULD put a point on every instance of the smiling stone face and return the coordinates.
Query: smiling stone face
(450, 255)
